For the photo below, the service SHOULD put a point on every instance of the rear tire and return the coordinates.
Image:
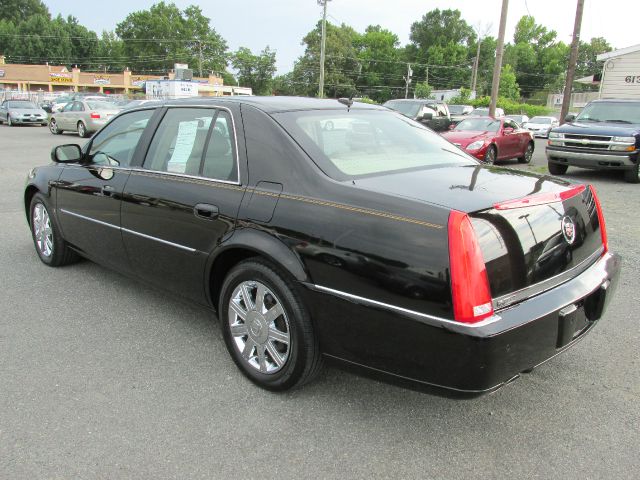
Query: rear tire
(633, 175)
(528, 154)
(45, 231)
(555, 169)
(82, 130)
(267, 328)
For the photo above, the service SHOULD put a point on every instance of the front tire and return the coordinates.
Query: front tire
(491, 155)
(9, 121)
(53, 127)
(50, 246)
(528, 154)
(555, 169)
(633, 175)
(267, 328)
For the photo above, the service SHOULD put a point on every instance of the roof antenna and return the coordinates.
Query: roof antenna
(346, 101)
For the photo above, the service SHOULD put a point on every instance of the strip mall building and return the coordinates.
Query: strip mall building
(50, 78)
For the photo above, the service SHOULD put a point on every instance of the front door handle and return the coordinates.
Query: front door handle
(206, 211)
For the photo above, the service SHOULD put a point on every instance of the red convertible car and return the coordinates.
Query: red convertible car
(492, 139)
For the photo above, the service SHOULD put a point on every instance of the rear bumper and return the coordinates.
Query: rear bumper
(95, 124)
(470, 358)
(609, 160)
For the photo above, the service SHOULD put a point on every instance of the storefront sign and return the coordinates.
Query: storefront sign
(137, 81)
(101, 80)
(61, 78)
(1, 73)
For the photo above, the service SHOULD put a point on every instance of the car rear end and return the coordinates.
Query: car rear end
(98, 113)
(529, 278)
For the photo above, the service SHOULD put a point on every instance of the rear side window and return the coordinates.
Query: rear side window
(115, 144)
(194, 141)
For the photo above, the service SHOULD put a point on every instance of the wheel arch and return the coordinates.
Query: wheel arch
(249, 243)
(29, 192)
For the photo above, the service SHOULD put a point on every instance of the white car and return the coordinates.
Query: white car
(541, 126)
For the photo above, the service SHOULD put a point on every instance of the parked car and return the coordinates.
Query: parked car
(492, 139)
(459, 112)
(484, 112)
(605, 135)
(540, 126)
(134, 103)
(21, 112)
(432, 113)
(315, 228)
(82, 116)
(519, 119)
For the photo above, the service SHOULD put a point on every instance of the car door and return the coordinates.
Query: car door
(184, 200)
(89, 194)
(63, 118)
(510, 139)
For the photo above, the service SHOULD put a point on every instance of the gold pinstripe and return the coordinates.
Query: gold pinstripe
(298, 198)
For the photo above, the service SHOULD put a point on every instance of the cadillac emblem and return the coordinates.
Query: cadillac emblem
(568, 229)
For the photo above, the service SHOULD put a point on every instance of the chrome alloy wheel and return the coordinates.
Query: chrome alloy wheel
(53, 127)
(259, 327)
(528, 153)
(42, 232)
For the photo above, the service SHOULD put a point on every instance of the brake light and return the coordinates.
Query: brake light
(540, 198)
(603, 227)
(95, 115)
(469, 281)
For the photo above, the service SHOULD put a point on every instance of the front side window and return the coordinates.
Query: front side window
(77, 107)
(358, 143)
(115, 144)
(194, 141)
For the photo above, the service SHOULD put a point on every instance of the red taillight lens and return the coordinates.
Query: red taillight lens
(540, 199)
(469, 281)
(95, 115)
(603, 227)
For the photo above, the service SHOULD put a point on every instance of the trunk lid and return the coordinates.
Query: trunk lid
(527, 248)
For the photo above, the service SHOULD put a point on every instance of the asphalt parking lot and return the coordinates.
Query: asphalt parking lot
(103, 377)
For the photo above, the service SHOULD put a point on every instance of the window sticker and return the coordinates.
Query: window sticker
(184, 146)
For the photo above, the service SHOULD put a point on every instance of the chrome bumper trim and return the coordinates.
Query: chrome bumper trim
(602, 157)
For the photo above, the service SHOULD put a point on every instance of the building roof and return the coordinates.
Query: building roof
(618, 53)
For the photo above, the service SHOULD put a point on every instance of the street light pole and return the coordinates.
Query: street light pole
(323, 4)
(497, 68)
(573, 59)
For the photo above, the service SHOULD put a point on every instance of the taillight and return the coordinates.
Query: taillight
(540, 198)
(603, 228)
(95, 115)
(469, 281)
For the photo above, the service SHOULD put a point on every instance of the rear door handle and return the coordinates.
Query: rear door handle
(206, 211)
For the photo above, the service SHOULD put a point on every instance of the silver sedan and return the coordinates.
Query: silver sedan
(22, 112)
(82, 116)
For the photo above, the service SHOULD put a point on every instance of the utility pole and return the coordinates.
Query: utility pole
(573, 59)
(200, 58)
(482, 33)
(407, 80)
(497, 67)
(323, 4)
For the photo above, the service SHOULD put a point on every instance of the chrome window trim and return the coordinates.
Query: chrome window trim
(412, 313)
(133, 232)
(235, 142)
(509, 299)
(183, 175)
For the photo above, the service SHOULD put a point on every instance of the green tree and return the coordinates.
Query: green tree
(110, 53)
(423, 90)
(508, 84)
(255, 71)
(157, 38)
(17, 11)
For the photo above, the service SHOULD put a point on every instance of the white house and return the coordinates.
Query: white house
(621, 73)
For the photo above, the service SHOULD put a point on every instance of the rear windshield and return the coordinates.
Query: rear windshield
(27, 105)
(362, 143)
(541, 120)
(409, 109)
(102, 105)
(478, 125)
(456, 109)
(616, 112)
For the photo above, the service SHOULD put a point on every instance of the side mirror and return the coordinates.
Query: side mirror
(69, 153)
(570, 117)
(425, 117)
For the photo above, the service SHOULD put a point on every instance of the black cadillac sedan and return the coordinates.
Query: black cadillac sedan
(321, 228)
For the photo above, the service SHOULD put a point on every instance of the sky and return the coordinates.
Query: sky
(281, 24)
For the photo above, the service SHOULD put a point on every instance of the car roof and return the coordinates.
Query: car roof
(270, 104)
